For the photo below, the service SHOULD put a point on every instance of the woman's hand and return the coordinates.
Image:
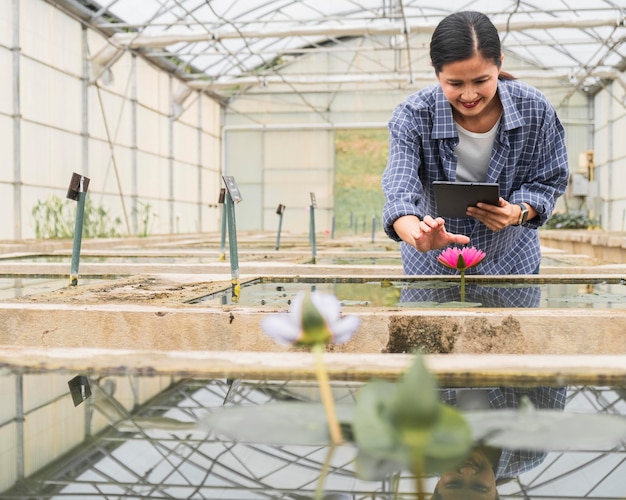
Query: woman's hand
(427, 234)
(497, 217)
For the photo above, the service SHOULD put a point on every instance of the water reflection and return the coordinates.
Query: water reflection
(488, 466)
(485, 296)
(139, 437)
(431, 293)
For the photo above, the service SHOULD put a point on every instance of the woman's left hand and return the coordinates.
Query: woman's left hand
(497, 217)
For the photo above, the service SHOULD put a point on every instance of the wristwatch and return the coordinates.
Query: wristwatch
(523, 216)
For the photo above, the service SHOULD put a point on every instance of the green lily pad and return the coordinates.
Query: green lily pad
(415, 402)
(396, 425)
(279, 423)
(546, 430)
(371, 425)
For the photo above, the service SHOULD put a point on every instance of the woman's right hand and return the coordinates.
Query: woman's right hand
(426, 234)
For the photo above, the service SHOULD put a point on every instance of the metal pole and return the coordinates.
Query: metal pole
(373, 228)
(232, 247)
(223, 234)
(280, 211)
(78, 235)
(222, 201)
(312, 235)
(77, 192)
(19, 427)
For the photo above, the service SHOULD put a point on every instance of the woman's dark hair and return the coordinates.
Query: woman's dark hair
(461, 35)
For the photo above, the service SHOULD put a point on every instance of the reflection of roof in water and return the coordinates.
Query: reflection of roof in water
(159, 452)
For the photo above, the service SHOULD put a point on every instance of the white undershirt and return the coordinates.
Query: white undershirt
(473, 153)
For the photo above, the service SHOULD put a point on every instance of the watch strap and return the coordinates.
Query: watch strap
(523, 216)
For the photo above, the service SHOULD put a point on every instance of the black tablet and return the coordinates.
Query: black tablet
(453, 198)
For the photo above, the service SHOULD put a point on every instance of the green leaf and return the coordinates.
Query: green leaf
(546, 430)
(279, 423)
(370, 467)
(416, 400)
(450, 441)
(372, 428)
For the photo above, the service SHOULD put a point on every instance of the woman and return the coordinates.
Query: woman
(478, 124)
(474, 479)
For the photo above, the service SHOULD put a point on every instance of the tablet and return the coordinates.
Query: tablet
(453, 198)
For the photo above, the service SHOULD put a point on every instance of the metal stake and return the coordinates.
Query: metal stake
(280, 210)
(224, 220)
(373, 228)
(232, 247)
(312, 230)
(232, 195)
(77, 191)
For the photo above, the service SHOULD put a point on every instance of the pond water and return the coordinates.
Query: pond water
(146, 437)
(576, 293)
(31, 285)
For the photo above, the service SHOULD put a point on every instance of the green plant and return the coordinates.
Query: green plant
(571, 221)
(55, 218)
(145, 216)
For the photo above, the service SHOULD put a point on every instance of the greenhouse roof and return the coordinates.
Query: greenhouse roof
(229, 47)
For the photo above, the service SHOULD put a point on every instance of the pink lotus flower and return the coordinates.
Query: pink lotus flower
(461, 259)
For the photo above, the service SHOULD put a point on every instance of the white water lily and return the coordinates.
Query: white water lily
(312, 319)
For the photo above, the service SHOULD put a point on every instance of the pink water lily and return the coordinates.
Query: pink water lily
(461, 259)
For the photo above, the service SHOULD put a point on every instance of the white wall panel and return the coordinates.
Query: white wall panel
(6, 83)
(49, 156)
(247, 214)
(211, 152)
(6, 152)
(153, 170)
(8, 455)
(56, 102)
(152, 131)
(113, 114)
(211, 115)
(7, 389)
(51, 431)
(39, 389)
(49, 36)
(153, 88)
(6, 24)
(185, 139)
(6, 195)
(185, 181)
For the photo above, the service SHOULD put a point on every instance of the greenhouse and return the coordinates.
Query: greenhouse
(202, 294)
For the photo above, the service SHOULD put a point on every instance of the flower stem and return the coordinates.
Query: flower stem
(319, 491)
(418, 470)
(462, 286)
(326, 395)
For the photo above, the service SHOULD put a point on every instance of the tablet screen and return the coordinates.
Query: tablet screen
(453, 198)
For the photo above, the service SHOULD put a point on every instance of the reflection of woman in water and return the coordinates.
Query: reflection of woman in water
(486, 296)
(474, 479)
(505, 464)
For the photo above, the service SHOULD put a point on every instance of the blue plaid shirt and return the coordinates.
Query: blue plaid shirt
(528, 161)
(512, 463)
